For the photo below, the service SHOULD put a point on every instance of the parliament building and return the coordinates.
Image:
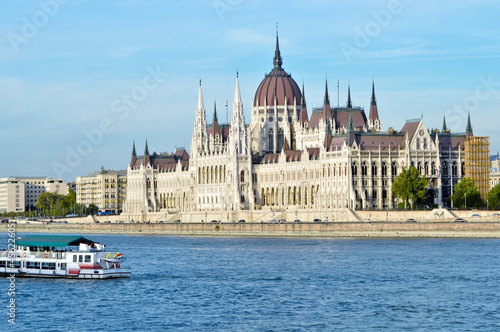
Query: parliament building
(291, 159)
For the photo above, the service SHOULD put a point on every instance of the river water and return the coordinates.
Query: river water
(272, 284)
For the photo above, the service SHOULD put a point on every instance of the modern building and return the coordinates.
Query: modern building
(287, 159)
(106, 189)
(19, 194)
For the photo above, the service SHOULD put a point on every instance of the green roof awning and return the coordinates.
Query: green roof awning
(52, 240)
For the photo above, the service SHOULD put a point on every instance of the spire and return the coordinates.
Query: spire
(327, 98)
(134, 156)
(327, 111)
(200, 98)
(349, 104)
(215, 113)
(237, 94)
(328, 129)
(278, 61)
(444, 124)
(374, 100)
(303, 118)
(468, 129)
(147, 157)
(373, 117)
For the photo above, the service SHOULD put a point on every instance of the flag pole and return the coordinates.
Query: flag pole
(338, 103)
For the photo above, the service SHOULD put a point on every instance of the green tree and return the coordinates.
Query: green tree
(409, 186)
(494, 197)
(466, 192)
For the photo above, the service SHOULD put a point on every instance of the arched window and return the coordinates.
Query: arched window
(384, 169)
(426, 166)
(242, 176)
(271, 139)
(354, 169)
(454, 169)
(419, 167)
(433, 168)
(394, 169)
(445, 168)
(364, 169)
(281, 139)
(425, 144)
(374, 169)
(463, 168)
(418, 143)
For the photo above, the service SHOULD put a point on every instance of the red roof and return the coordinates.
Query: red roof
(277, 84)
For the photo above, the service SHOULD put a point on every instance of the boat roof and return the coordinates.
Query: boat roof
(52, 240)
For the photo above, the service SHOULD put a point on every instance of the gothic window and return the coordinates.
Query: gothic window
(418, 143)
(425, 144)
(463, 168)
(433, 168)
(281, 139)
(445, 168)
(271, 139)
(384, 169)
(454, 169)
(242, 176)
(419, 167)
(364, 169)
(394, 169)
(354, 169)
(426, 168)
(374, 169)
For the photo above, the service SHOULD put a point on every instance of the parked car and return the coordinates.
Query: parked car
(475, 215)
(367, 220)
(160, 221)
(324, 220)
(282, 220)
(272, 221)
(317, 220)
(411, 220)
(496, 214)
(296, 220)
(177, 220)
(121, 221)
(460, 220)
(214, 221)
(241, 220)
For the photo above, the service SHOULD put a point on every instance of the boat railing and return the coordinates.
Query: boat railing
(35, 254)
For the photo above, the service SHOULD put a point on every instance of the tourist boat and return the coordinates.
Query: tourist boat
(61, 256)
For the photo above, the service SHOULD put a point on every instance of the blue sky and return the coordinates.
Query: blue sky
(67, 65)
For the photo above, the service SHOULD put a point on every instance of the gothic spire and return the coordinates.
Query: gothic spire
(444, 124)
(327, 98)
(351, 127)
(215, 113)
(237, 94)
(147, 157)
(303, 118)
(468, 129)
(134, 156)
(200, 99)
(278, 61)
(373, 117)
(349, 104)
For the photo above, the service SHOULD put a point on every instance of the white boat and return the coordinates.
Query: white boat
(61, 256)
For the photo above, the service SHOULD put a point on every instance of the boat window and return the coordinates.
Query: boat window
(75, 259)
(45, 266)
(80, 259)
(52, 266)
(63, 266)
(3, 263)
(17, 264)
(87, 258)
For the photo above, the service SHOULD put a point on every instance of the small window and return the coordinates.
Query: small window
(75, 258)
(87, 258)
(80, 259)
(63, 266)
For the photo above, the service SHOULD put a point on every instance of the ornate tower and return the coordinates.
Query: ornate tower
(373, 119)
(199, 139)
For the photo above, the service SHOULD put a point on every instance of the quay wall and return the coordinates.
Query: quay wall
(331, 229)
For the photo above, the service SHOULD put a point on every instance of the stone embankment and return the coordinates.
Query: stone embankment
(475, 229)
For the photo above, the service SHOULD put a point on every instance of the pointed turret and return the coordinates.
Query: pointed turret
(278, 61)
(349, 104)
(468, 129)
(327, 111)
(237, 131)
(350, 131)
(303, 118)
(134, 156)
(373, 118)
(444, 129)
(215, 121)
(147, 157)
(199, 138)
(350, 128)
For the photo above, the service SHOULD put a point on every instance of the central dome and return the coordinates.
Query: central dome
(277, 84)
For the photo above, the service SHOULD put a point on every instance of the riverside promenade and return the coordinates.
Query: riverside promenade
(370, 229)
